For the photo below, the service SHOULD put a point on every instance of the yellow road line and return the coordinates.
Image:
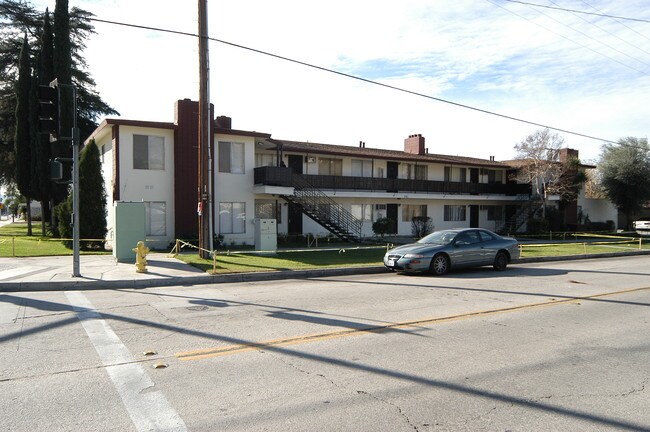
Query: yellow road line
(255, 346)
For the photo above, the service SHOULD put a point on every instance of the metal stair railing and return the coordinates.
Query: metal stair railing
(523, 214)
(324, 210)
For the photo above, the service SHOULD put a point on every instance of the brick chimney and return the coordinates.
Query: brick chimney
(414, 144)
(567, 154)
(224, 122)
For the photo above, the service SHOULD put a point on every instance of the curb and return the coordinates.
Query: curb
(251, 277)
(185, 280)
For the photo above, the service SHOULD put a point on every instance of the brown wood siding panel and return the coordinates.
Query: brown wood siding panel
(186, 138)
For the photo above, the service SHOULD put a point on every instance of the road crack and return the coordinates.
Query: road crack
(348, 390)
(634, 390)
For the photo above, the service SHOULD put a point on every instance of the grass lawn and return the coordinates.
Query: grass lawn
(299, 260)
(542, 250)
(14, 242)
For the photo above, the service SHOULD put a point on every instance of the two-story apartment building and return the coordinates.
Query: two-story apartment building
(307, 187)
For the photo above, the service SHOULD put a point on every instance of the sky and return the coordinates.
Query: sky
(583, 73)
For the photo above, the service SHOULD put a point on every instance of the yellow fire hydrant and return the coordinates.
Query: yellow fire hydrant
(141, 252)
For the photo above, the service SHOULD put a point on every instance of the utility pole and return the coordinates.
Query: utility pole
(204, 181)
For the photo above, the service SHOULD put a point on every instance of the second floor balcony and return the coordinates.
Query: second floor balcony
(281, 176)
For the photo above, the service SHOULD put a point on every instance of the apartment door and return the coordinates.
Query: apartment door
(473, 216)
(391, 213)
(392, 171)
(295, 163)
(294, 222)
(473, 179)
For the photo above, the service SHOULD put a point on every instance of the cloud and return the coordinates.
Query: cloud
(553, 68)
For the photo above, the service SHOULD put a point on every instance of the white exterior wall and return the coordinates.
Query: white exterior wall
(598, 210)
(232, 187)
(148, 185)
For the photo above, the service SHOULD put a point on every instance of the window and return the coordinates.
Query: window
(333, 167)
(362, 211)
(454, 213)
(410, 211)
(462, 175)
(232, 218)
(267, 209)
(469, 237)
(155, 218)
(231, 157)
(486, 236)
(420, 172)
(264, 159)
(495, 213)
(148, 152)
(361, 168)
(105, 149)
(415, 172)
(494, 176)
(455, 174)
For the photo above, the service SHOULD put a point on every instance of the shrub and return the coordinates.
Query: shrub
(383, 226)
(421, 226)
(63, 214)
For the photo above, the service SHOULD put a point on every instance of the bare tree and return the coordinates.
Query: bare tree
(542, 167)
(539, 154)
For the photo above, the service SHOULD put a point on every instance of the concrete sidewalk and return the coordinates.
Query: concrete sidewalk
(103, 272)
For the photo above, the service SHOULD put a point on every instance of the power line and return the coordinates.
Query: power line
(611, 34)
(618, 21)
(579, 11)
(569, 39)
(358, 78)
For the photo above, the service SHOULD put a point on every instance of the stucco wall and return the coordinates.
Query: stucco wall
(149, 184)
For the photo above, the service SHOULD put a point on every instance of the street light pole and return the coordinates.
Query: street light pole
(75, 188)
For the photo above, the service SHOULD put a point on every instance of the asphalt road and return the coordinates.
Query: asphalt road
(547, 346)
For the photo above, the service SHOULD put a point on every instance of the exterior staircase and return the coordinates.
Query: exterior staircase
(526, 211)
(324, 210)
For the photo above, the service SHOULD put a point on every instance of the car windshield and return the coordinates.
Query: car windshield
(438, 237)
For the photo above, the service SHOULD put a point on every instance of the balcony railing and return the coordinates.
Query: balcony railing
(281, 176)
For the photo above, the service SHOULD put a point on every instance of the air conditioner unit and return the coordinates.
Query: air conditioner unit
(310, 159)
(380, 206)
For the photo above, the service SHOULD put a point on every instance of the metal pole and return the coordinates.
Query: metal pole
(75, 188)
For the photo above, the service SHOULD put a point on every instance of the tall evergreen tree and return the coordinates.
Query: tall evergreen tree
(22, 140)
(92, 214)
(92, 195)
(63, 72)
(16, 17)
(45, 75)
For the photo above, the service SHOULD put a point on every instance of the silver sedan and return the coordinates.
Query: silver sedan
(441, 251)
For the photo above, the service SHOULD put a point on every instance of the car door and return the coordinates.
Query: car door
(467, 249)
(489, 247)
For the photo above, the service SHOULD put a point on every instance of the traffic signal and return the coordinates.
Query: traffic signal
(48, 111)
(56, 170)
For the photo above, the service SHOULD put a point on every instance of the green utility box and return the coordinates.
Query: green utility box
(129, 228)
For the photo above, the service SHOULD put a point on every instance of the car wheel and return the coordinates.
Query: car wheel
(500, 261)
(439, 265)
